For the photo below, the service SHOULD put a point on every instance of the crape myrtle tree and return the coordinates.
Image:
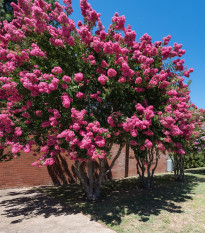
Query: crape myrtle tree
(190, 118)
(200, 141)
(53, 81)
(168, 116)
(192, 146)
(77, 89)
(185, 147)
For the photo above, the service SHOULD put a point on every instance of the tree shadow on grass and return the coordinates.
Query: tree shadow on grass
(123, 198)
(198, 171)
(119, 198)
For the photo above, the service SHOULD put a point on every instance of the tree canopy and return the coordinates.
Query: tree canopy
(77, 89)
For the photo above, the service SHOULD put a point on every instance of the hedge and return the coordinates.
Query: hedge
(195, 160)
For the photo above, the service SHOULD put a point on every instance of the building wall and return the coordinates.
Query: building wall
(20, 173)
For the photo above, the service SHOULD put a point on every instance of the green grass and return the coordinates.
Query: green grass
(125, 207)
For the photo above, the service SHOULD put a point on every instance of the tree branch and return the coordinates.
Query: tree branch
(114, 160)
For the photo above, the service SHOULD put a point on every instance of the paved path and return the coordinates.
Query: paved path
(28, 211)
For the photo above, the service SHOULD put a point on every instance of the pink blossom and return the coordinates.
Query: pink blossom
(129, 36)
(45, 124)
(79, 23)
(64, 86)
(102, 79)
(148, 144)
(66, 100)
(79, 95)
(57, 70)
(142, 148)
(175, 131)
(26, 115)
(148, 132)
(139, 108)
(36, 163)
(63, 18)
(119, 21)
(122, 80)
(78, 77)
(49, 162)
(38, 113)
(181, 151)
(36, 51)
(160, 146)
(133, 143)
(99, 141)
(172, 92)
(18, 131)
(57, 42)
(76, 126)
(139, 89)
(104, 64)
(166, 39)
(16, 148)
(138, 80)
(134, 133)
(186, 73)
(111, 121)
(27, 148)
(111, 72)
(66, 79)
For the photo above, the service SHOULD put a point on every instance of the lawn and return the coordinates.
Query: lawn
(126, 207)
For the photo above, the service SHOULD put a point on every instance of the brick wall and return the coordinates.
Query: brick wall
(20, 173)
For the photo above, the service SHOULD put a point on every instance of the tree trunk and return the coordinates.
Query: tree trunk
(144, 166)
(178, 161)
(127, 160)
(90, 184)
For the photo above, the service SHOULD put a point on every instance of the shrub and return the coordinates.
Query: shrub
(195, 160)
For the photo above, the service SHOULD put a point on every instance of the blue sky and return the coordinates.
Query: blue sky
(184, 20)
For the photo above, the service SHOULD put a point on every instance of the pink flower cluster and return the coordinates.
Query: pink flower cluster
(83, 135)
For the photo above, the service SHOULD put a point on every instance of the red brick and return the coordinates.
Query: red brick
(20, 173)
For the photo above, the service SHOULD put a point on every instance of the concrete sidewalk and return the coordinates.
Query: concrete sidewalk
(29, 211)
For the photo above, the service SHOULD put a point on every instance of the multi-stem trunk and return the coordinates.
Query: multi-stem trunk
(92, 183)
(145, 165)
(178, 161)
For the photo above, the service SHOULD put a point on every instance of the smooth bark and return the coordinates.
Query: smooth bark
(145, 166)
(91, 183)
(178, 162)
